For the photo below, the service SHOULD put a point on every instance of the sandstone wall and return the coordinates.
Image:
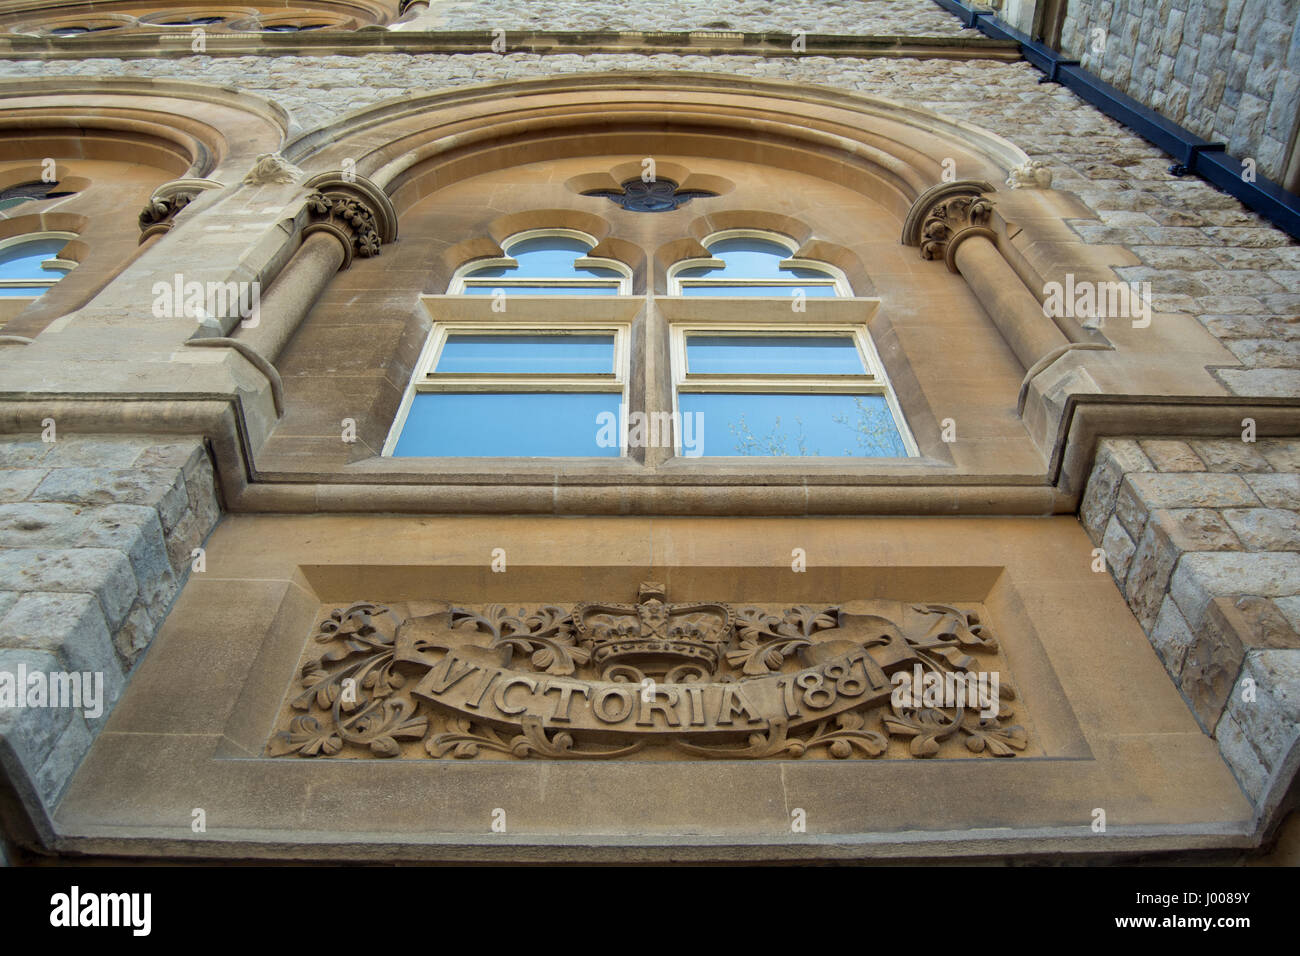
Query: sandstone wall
(1202, 252)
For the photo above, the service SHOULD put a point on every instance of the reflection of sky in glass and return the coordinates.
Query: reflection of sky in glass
(23, 261)
(543, 289)
(556, 354)
(506, 424)
(752, 259)
(545, 257)
(772, 425)
(773, 354)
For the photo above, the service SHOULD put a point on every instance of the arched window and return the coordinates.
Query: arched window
(770, 387)
(495, 383)
(30, 264)
(544, 262)
(753, 263)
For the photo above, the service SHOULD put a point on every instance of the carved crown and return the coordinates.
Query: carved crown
(679, 642)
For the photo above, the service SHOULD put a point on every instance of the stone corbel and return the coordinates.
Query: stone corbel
(168, 200)
(947, 214)
(352, 209)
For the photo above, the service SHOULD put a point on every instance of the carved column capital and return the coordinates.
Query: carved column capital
(168, 200)
(352, 209)
(944, 212)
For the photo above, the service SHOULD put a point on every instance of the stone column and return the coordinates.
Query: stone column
(348, 216)
(949, 221)
(296, 290)
(1016, 313)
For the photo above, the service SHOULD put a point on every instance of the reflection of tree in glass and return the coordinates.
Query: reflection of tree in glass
(872, 425)
(875, 429)
(773, 444)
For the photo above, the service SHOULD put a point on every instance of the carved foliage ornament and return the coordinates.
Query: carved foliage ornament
(162, 209)
(348, 218)
(947, 219)
(603, 681)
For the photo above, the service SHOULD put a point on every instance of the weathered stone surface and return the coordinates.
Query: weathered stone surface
(1227, 455)
(1265, 529)
(1119, 550)
(1171, 637)
(1191, 491)
(160, 488)
(36, 524)
(1197, 529)
(97, 452)
(1201, 577)
(31, 731)
(1172, 456)
(71, 627)
(103, 572)
(136, 531)
(64, 758)
(17, 483)
(1130, 508)
(1271, 722)
(1240, 754)
(1276, 491)
(23, 454)
(1233, 627)
(1283, 454)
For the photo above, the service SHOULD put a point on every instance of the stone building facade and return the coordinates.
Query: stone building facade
(308, 640)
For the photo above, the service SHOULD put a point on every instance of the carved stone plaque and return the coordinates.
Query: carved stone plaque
(654, 679)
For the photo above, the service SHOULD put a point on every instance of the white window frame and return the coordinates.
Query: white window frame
(835, 277)
(872, 382)
(50, 265)
(461, 280)
(426, 379)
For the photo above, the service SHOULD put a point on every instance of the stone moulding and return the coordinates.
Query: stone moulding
(605, 681)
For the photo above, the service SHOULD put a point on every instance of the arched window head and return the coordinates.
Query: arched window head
(752, 263)
(544, 262)
(30, 264)
(37, 190)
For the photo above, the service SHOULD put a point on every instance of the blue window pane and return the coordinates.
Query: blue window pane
(556, 354)
(542, 289)
(784, 291)
(750, 259)
(509, 424)
(23, 261)
(772, 425)
(768, 354)
(545, 257)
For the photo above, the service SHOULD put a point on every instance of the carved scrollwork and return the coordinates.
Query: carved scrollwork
(604, 681)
